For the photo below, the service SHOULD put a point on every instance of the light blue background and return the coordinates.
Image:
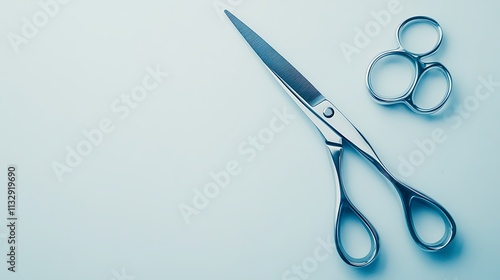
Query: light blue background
(118, 211)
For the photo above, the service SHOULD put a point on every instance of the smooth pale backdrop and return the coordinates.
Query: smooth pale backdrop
(117, 212)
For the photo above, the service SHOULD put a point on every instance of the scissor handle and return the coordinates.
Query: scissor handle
(408, 96)
(397, 99)
(414, 20)
(420, 68)
(409, 197)
(422, 71)
(343, 208)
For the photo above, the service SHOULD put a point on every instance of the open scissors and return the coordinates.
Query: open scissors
(420, 68)
(335, 128)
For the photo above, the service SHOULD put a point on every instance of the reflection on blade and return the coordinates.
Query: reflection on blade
(278, 64)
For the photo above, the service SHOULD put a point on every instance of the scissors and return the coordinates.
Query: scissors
(336, 128)
(420, 68)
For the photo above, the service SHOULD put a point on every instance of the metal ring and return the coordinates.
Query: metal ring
(449, 81)
(408, 197)
(417, 19)
(403, 97)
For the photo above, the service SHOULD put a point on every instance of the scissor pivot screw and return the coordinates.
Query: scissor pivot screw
(328, 112)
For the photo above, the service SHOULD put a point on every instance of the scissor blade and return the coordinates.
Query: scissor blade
(277, 64)
(334, 129)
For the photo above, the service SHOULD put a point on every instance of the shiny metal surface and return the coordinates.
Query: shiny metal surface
(344, 207)
(277, 63)
(335, 128)
(420, 69)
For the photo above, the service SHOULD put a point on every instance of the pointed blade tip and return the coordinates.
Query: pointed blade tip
(278, 65)
(231, 17)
